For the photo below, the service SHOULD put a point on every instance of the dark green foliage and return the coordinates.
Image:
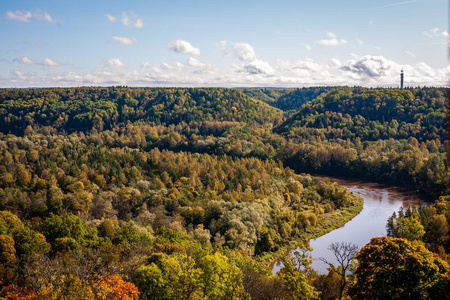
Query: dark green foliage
(28, 241)
(294, 100)
(372, 114)
(55, 227)
(288, 100)
(83, 109)
(269, 96)
(429, 224)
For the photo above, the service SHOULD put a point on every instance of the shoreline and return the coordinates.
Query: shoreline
(397, 194)
(331, 221)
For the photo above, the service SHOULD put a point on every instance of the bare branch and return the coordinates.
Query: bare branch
(345, 253)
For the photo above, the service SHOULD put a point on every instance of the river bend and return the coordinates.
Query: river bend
(379, 204)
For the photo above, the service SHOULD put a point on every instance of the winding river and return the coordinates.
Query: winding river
(379, 204)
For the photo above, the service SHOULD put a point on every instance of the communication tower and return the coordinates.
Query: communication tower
(401, 79)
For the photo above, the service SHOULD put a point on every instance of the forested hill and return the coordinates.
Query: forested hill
(288, 100)
(267, 95)
(83, 109)
(372, 114)
(97, 200)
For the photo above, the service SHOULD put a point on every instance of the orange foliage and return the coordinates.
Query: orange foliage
(167, 248)
(14, 292)
(120, 289)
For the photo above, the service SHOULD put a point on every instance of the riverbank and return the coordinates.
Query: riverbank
(325, 223)
(372, 182)
(380, 202)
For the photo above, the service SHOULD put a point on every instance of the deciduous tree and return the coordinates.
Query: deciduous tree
(394, 268)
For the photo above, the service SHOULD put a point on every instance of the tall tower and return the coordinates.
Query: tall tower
(401, 79)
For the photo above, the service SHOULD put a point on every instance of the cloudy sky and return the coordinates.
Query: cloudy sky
(232, 43)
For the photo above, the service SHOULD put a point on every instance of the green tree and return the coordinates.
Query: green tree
(221, 278)
(294, 276)
(9, 222)
(8, 260)
(69, 226)
(169, 277)
(405, 226)
(28, 241)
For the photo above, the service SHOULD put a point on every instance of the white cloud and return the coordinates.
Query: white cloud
(369, 66)
(115, 62)
(184, 47)
(166, 66)
(371, 70)
(20, 74)
(193, 62)
(49, 18)
(128, 20)
(125, 20)
(112, 19)
(359, 41)
(422, 74)
(26, 61)
(431, 32)
(336, 62)
(18, 78)
(136, 22)
(199, 66)
(258, 66)
(307, 47)
(175, 66)
(124, 40)
(41, 15)
(27, 16)
(221, 44)
(305, 70)
(22, 16)
(243, 51)
(368, 70)
(333, 41)
(51, 62)
(436, 32)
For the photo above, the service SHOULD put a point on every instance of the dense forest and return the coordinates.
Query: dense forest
(288, 100)
(388, 135)
(169, 193)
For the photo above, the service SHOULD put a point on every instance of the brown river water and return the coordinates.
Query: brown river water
(380, 202)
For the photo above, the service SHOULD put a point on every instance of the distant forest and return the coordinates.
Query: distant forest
(190, 193)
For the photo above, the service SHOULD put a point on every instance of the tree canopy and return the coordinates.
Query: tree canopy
(175, 193)
(394, 268)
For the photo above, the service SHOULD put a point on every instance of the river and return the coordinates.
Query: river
(379, 203)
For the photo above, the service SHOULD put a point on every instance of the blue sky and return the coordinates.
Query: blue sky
(223, 43)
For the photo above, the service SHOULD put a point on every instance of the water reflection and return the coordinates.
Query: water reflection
(379, 204)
